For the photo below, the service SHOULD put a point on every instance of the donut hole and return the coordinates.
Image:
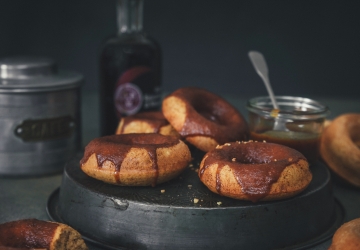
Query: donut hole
(210, 110)
(248, 156)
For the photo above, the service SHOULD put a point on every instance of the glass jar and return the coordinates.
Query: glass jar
(297, 123)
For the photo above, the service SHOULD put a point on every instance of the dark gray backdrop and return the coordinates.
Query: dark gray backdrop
(312, 47)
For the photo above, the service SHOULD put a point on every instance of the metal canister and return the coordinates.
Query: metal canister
(40, 123)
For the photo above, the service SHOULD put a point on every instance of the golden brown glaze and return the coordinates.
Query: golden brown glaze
(347, 237)
(340, 147)
(38, 234)
(135, 159)
(203, 118)
(255, 171)
(146, 122)
(29, 233)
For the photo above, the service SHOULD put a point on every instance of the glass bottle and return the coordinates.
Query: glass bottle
(130, 69)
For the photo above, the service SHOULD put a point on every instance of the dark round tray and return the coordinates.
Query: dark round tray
(166, 217)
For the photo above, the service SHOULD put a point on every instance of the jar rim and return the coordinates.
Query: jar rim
(290, 107)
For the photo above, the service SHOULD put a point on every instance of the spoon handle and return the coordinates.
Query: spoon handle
(259, 63)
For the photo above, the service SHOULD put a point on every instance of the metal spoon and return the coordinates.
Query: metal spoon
(261, 68)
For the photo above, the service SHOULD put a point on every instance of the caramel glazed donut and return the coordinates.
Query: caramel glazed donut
(146, 122)
(340, 147)
(255, 171)
(347, 237)
(38, 234)
(135, 159)
(204, 119)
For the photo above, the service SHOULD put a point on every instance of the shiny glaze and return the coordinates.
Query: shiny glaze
(114, 148)
(255, 165)
(218, 119)
(29, 233)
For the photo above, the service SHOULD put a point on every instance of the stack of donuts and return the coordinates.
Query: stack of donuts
(195, 115)
(232, 165)
(153, 147)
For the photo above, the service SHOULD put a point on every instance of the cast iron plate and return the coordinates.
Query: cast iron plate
(53, 213)
(178, 194)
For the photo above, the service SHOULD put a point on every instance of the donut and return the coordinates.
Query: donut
(255, 171)
(340, 147)
(347, 237)
(327, 123)
(135, 159)
(146, 122)
(39, 234)
(204, 119)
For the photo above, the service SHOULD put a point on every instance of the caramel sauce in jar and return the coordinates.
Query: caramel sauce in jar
(303, 121)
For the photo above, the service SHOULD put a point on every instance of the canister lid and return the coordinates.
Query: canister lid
(35, 74)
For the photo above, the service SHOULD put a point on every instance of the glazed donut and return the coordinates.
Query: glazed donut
(38, 234)
(347, 237)
(135, 159)
(146, 122)
(340, 147)
(204, 119)
(255, 171)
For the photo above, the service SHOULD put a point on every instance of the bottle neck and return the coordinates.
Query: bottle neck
(129, 16)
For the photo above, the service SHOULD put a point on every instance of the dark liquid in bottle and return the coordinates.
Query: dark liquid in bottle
(130, 71)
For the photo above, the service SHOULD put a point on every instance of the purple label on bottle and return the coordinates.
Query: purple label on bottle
(128, 98)
(135, 91)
